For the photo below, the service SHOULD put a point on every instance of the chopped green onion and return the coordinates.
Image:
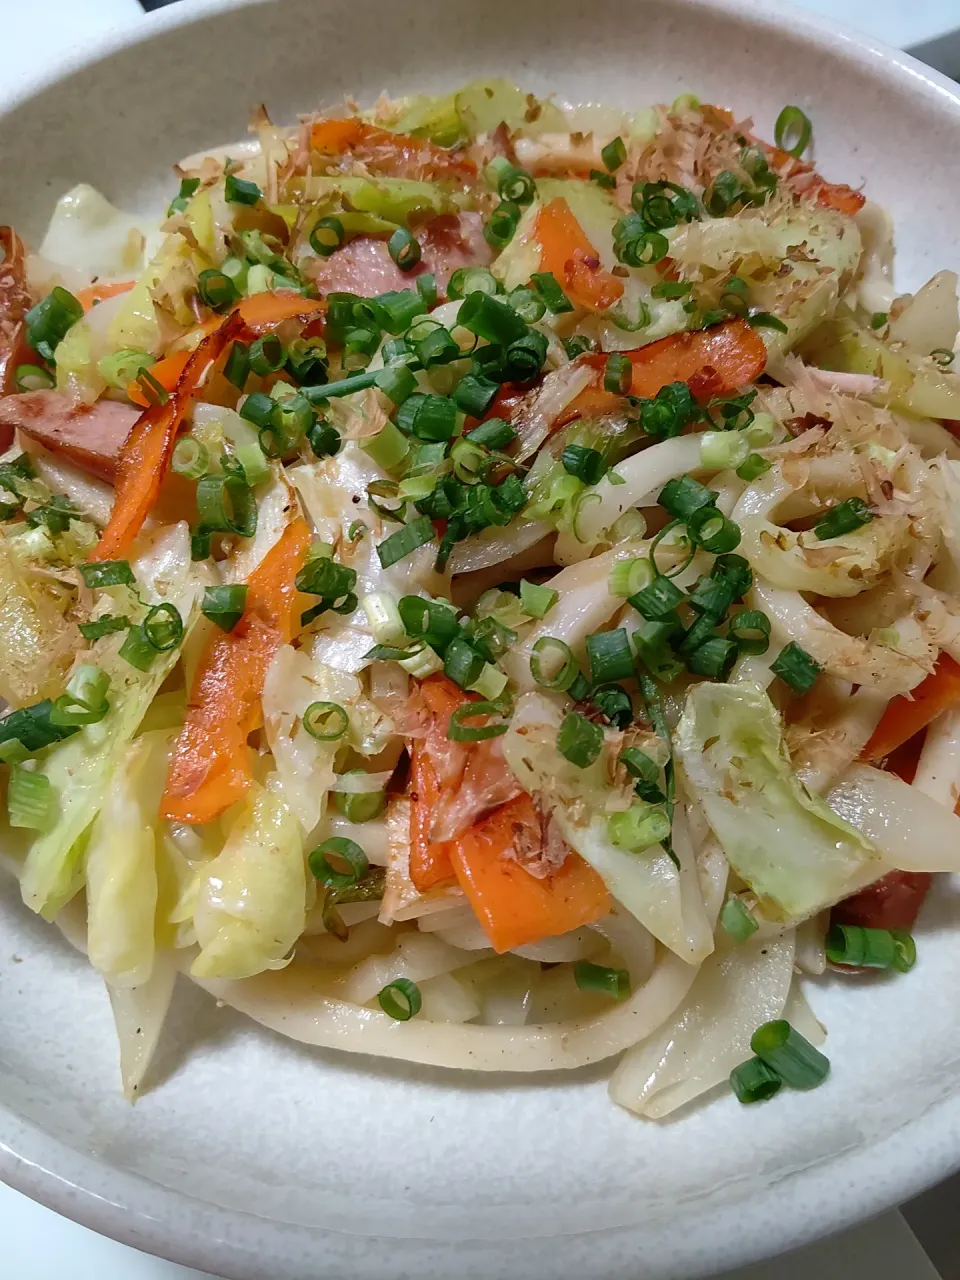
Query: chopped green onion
(258, 408)
(517, 186)
(646, 773)
(468, 460)
(200, 543)
(117, 369)
(153, 391)
(188, 187)
(618, 374)
(563, 665)
(605, 180)
(878, 319)
(714, 658)
(587, 465)
(238, 365)
(101, 627)
(843, 518)
(401, 999)
(458, 731)
(405, 541)
(684, 496)
(524, 358)
(737, 920)
(327, 236)
(190, 458)
(658, 599)
(31, 377)
(462, 663)
(431, 620)
(253, 463)
(427, 289)
(47, 323)
(548, 287)
(796, 668)
(435, 418)
(713, 530)
(609, 656)
(226, 504)
(85, 699)
(861, 948)
(387, 448)
(490, 683)
(225, 605)
(240, 191)
(267, 355)
(359, 806)
(31, 800)
(397, 382)
(640, 827)
(614, 703)
(535, 600)
(499, 228)
(216, 290)
(384, 617)
(137, 649)
(528, 304)
(467, 280)
(751, 631)
(614, 154)
(793, 131)
(344, 851)
(579, 740)
(766, 320)
(601, 979)
(325, 721)
(627, 577)
(754, 1081)
(404, 249)
(163, 627)
(790, 1054)
(735, 572)
(492, 434)
(323, 438)
(753, 467)
(491, 318)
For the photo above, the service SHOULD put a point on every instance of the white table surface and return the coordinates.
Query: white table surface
(40, 1245)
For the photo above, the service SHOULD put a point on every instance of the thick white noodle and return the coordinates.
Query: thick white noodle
(738, 988)
(911, 831)
(836, 745)
(494, 545)
(938, 769)
(643, 476)
(139, 1014)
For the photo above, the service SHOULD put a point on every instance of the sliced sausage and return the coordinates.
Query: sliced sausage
(892, 903)
(91, 435)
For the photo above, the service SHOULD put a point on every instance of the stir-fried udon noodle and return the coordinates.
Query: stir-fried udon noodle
(479, 585)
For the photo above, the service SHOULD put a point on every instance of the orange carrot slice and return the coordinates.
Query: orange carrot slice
(566, 251)
(906, 715)
(514, 907)
(210, 767)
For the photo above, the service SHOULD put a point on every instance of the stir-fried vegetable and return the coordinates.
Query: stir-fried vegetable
(525, 525)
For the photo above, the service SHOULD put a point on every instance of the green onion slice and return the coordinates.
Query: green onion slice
(344, 851)
(737, 920)
(108, 573)
(326, 721)
(579, 740)
(225, 605)
(790, 1054)
(404, 249)
(793, 131)
(796, 668)
(405, 541)
(614, 983)
(558, 657)
(401, 999)
(459, 731)
(754, 1081)
(163, 627)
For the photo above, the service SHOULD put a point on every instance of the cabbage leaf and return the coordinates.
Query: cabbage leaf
(788, 845)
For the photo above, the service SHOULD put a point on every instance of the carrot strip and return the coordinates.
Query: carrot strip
(514, 907)
(907, 715)
(210, 767)
(430, 863)
(566, 251)
(146, 454)
(713, 362)
(334, 137)
(89, 297)
(167, 372)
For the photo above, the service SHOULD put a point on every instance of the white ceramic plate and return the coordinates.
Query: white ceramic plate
(254, 1157)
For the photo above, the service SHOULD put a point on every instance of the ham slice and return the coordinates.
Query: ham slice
(364, 266)
(91, 435)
